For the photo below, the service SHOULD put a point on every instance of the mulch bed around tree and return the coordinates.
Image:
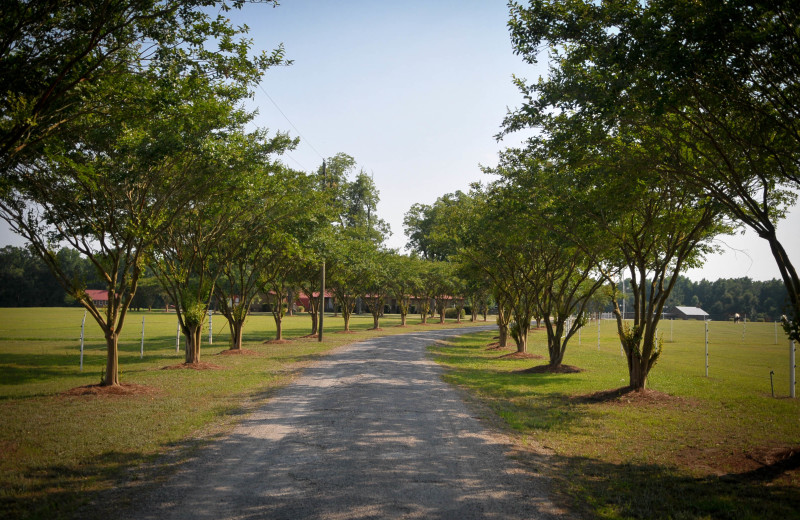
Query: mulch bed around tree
(277, 341)
(238, 352)
(627, 395)
(116, 390)
(202, 365)
(378, 328)
(759, 463)
(521, 355)
(547, 369)
(345, 332)
(496, 346)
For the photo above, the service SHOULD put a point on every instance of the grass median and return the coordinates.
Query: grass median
(59, 450)
(693, 447)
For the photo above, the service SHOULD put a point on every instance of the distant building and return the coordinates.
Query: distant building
(687, 313)
(98, 296)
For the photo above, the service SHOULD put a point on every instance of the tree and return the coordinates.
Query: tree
(349, 271)
(376, 284)
(267, 233)
(441, 277)
(563, 273)
(404, 280)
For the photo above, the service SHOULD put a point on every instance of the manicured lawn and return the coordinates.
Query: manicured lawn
(697, 447)
(58, 451)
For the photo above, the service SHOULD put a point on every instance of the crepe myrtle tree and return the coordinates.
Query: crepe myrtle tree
(564, 275)
(403, 280)
(271, 223)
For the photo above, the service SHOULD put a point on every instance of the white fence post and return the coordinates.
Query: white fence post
(598, 331)
(141, 350)
(792, 367)
(178, 337)
(210, 328)
(706, 324)
(83, 324)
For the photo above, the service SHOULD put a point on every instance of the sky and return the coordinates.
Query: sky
(415, 91)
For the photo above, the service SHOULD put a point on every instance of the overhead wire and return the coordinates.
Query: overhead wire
(299, 133)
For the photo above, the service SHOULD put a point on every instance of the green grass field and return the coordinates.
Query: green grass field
(698, 447)
(59, 451)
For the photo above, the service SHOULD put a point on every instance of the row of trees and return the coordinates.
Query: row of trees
(125, 147)
(660, 126)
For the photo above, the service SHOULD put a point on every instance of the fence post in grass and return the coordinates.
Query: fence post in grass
(178, 337)
(83, 324)
(598, 331)
(706, 324)
(792, 367)
(141, 353)
(670, 329)
(210, 328)
(776, 331)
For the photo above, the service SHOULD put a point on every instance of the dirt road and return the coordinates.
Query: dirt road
(370, 431)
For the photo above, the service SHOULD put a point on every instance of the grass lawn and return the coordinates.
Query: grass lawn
(58, 451)
(696, 447)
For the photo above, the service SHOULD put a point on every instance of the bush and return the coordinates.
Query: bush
(452, 313)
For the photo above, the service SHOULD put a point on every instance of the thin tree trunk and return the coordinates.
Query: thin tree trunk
(192, 337)
(236, 334)
(278, 325)
(112, 359)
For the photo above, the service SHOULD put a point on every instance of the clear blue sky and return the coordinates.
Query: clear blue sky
(415, 91)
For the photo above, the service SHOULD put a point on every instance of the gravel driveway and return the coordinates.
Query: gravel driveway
(369, 431)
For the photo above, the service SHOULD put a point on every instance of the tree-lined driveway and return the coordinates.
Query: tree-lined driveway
(370, 431)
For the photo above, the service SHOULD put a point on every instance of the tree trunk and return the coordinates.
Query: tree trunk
(192, 337)
(637, 372)
(112, 359)
(278, 325)
(403, 319)
(314, 322)
(376, 321)
(522, 339)
(236, 334)
(346, 321)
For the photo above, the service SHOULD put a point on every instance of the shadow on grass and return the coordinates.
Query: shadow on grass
(58, 491)
(604, 490)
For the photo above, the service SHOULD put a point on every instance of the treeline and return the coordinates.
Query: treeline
(721, 299)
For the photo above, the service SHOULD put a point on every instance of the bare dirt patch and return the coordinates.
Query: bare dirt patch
(627, 395)
(202, 365)
(238, 352)
(520, 355)
(764, 463)
(116, 390)
(496, 346)
(547, 369)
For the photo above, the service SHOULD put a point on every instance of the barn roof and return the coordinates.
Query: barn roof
(97, 294)
(691, 311)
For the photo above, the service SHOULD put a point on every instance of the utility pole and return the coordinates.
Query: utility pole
(322, 281)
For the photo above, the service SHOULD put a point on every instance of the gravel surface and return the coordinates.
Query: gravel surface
(370, 431)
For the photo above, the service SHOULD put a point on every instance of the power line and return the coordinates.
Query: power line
(290, 122)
